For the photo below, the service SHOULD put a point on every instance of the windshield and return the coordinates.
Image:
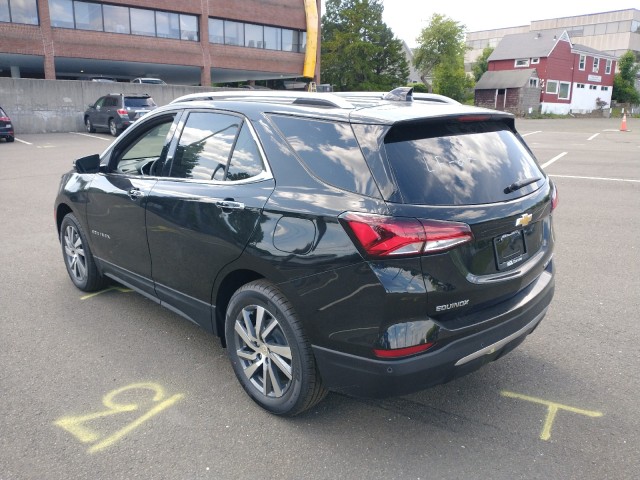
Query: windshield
(139, 102)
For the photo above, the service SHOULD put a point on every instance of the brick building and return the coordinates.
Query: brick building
(572, 78)
(192, 42)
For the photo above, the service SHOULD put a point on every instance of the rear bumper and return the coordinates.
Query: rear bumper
(366, 377)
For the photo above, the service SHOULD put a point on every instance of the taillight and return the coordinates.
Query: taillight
(122, 111)
(554, 198)
(4, 119)
(382, 236)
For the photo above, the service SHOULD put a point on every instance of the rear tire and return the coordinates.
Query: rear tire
(10, 139)
(89, 125)
(78, 259)
(269, 352)
(113, 128)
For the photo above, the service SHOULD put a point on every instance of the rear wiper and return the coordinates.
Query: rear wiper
(520, 184)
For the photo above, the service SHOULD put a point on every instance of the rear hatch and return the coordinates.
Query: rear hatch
(136, 107)
(6, 128)
(475, 171)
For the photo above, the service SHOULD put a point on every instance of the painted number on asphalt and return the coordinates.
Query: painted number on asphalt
(77, 425)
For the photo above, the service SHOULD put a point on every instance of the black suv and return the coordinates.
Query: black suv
(116, 111)
(373, 246)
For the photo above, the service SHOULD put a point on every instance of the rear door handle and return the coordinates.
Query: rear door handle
(230, 205)
(135, 193)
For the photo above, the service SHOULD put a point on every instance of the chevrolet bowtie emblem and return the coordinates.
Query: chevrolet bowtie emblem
(524, 220)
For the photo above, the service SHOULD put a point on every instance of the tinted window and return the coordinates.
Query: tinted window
(330, 151)
(205, 146)
(245, 161)
(137, 102)
(459, 163)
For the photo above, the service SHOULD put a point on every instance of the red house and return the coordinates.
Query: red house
(573, 78)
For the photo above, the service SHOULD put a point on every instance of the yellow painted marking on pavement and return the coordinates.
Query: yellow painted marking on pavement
(552, 411)
(117, 289)
(74, 425)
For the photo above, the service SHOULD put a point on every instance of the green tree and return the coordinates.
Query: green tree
(359, 51)
(482, 63)
(624, 89)
(440, 51)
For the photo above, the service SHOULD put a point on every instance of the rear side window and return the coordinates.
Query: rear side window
(460, 163)
(216, 146)
(330, 151)
(137, 102)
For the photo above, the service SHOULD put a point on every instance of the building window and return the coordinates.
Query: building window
(552, 87)
(216, 30)
(88, 16)
(167, 25)
(253, 36)
(583, 60)
(19, 11)
(116, 19)
(143, 22)
(535, 61)
(593, 87)
(61, 13)
(533, 82)
(522, 63)
(580, 85)
(596, 64)
(273, 38)
(607, 68)
(233, 33)
(563, 91)
(604, 89)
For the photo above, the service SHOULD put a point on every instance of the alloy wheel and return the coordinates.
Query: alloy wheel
(74, 253)
(263, 351)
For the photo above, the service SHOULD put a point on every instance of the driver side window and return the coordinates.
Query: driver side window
(147, 152)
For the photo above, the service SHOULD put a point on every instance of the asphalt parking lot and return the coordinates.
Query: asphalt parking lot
(112, 386)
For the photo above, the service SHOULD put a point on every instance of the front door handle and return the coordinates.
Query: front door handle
(135, 193)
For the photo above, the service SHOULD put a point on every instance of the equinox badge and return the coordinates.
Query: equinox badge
(524, 220)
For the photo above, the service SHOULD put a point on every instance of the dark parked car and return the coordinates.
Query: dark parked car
(117, 111)
(374, 250)
(6, 127)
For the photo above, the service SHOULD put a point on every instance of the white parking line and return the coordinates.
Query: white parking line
(91, 136)
(597, 178)
(22, 141)
(531, 133)
(557, 157)
(593, 136)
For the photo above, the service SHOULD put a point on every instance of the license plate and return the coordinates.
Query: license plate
(509, 249)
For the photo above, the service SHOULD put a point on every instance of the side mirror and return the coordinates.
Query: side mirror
(89, 164)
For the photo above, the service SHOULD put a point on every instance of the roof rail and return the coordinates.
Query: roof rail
(280, 96)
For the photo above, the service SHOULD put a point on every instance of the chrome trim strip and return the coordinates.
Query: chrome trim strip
(501, 343)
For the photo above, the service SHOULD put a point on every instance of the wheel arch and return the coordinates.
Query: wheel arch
(62, 210)
(227, 287)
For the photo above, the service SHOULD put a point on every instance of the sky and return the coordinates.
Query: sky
(408, 17)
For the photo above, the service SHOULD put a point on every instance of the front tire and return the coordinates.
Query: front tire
(269, 352)
(78, 259)
(89, 125)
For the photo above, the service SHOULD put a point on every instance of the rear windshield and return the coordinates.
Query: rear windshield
(139, 102)
(460, 163)
(2, 114)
